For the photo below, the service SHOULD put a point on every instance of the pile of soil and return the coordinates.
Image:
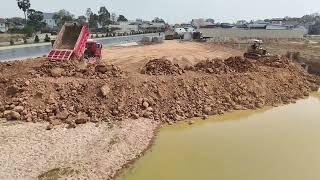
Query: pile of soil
(161, 67)
(74, 99)
(240, 64)
(219, 66)
(76, 69)
(277, 62)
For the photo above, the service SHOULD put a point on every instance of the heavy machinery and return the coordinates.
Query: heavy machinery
(256, 51)
(73, 42)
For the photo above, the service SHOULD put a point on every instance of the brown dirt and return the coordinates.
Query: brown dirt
(132, 59)
(73, 93)
(69, 38)
(161, 67)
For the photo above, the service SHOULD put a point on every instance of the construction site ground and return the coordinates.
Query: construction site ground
(182, 53)
(70, 119)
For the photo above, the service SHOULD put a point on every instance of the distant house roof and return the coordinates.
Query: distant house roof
(2, 20)
(257, 26)
(278, 19)
(48, 15)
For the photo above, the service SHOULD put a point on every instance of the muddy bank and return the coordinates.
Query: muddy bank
(29, 151)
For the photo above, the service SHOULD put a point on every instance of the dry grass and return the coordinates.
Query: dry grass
(6, 37)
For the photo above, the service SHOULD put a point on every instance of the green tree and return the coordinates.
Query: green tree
(104, 16)
(36, 39)
(24, 5)
(81, 19)
(113, 18)
(62, 17)
(35, 19)
(158, 20)
(28, 31)
(47, 38)
(122, 18)
(93, 21)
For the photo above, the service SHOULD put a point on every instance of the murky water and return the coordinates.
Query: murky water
(35, 51)
(280, 143)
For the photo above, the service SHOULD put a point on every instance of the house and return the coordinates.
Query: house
(48, 19)
(279, 21)
(15, 23)
(199, 23)
(3, 26)
(259, 24)
(125, 27)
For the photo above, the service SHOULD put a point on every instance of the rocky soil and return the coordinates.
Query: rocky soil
(68, 94)
(75, 93)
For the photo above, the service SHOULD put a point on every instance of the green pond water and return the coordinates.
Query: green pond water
(280, 143)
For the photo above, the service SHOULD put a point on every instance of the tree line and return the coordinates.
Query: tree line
(34, 18)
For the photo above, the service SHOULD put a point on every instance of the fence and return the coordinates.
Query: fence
(221, 33)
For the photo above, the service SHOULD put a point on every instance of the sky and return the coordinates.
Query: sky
(175, 11)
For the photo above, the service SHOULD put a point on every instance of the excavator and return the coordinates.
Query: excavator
(73, 42)
(256, 51)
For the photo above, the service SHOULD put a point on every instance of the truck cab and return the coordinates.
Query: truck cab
(93, 49)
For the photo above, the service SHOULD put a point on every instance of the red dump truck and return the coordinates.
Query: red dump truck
(73, 42)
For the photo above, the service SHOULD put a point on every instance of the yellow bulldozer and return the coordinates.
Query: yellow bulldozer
(255, 50)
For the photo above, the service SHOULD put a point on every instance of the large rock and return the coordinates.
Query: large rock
(12, 90)
(12, 115)
(63, 115)
(82, 118)
(56, 72)
(18, 109)
(103, 68)
(105, 90)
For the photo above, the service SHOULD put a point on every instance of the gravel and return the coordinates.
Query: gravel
(28, 150)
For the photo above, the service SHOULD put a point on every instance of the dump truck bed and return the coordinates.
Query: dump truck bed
(70, 41)
(67, 37)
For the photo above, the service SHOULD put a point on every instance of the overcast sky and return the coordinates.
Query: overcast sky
(176, 10)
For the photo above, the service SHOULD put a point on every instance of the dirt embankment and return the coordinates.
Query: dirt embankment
(75, 93)
(68, 94)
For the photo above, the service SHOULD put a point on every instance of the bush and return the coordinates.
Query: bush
(92, 36)
(25, 40)
(28, 31)
(97, 36)
(11, 42)
(36, 39)
(47, 38)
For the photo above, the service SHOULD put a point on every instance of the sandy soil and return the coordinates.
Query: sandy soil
(28, 150)
(182, 53)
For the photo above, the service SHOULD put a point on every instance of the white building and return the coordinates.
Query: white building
(3, 25)
(125, 27)
(48, 19)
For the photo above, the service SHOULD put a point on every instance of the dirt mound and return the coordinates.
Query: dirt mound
(161, 67)
(240, 64)
(276, 61)
(65, 93)
(230, 65)
(76, 69)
